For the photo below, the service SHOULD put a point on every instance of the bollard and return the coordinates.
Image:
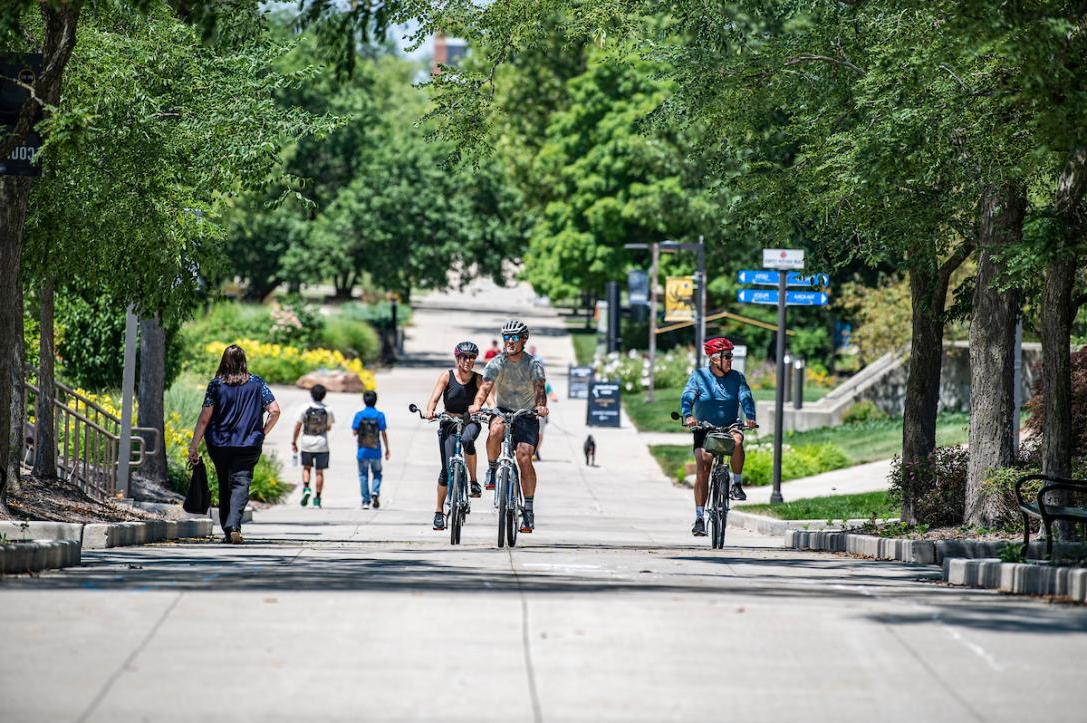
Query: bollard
(788, 386)
(798, 383)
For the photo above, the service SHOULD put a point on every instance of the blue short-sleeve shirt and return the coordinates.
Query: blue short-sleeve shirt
(237, 419)
(368, 423)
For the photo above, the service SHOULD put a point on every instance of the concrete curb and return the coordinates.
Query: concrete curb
(922, 552)
(37, 555)
(121, 534)
(1018, 578)
(96, 536)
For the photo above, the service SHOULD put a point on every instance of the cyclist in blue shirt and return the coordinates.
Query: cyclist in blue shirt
(369, 428)
(715, 394)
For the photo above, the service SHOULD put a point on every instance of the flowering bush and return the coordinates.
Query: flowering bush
(632, 369)
(279, 363)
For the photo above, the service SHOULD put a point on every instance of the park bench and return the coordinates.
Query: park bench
(1046, 512)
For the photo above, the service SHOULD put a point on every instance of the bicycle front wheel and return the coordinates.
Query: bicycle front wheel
(502, 489)
(718, 502)
(456, 492)
(512, 507)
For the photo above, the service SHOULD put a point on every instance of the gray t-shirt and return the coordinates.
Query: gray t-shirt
(514, 382)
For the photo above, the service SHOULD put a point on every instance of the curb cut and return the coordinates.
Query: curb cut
(37, 555)
(773, 526)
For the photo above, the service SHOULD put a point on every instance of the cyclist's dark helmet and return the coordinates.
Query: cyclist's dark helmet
(513, 326)
(466, 348)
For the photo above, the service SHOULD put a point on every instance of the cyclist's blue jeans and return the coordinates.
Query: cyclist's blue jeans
(366, 466)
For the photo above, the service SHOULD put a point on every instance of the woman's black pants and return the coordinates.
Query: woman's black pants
(234, 470)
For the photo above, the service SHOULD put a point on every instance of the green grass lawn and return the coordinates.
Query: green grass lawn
(655, 417)
(833, 507)
(584, 340)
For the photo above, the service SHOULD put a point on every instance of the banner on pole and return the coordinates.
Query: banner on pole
(679, 298)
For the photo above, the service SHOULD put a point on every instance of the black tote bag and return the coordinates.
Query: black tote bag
(198, 500)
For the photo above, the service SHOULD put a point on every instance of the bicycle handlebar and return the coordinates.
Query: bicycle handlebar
(706, 426)
(507, 416)
(460, 419)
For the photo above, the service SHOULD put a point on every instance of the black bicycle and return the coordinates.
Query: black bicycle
(457, 505)
(721, 444)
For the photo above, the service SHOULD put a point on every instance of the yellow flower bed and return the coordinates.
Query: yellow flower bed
(282, 364)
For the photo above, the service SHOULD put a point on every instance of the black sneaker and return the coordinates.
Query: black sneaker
(490, 478)
(377, 501)
(528, 521)
(475, 490)
(439, 521)
(736, 492)
(699, 527)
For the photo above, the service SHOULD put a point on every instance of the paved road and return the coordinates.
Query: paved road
(610, 611)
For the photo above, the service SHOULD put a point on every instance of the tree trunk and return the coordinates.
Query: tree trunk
(59, 40)
(1058, 313)
(992, 349)
(14, 193)
(928, 295)
(152, 386)
(45, 457)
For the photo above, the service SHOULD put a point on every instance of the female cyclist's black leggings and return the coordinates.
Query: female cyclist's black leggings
(446, 442)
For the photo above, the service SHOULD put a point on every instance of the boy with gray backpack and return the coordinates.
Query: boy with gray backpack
(313, 422)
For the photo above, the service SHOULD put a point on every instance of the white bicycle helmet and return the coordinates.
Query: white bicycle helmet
(513, 326)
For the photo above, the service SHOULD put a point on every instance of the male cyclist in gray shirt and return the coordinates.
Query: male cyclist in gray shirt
(518, 381)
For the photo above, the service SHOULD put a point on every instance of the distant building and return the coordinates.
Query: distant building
(447, 51)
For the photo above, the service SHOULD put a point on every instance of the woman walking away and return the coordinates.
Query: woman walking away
(233, 424)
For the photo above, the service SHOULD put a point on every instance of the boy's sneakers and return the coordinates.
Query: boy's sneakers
(439, 521)
(365, 504)
(317, 501)
(305, 495)
(377, 501)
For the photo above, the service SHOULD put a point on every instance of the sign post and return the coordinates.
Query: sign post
(17, 72)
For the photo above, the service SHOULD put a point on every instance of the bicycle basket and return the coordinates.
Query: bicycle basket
(719, 444)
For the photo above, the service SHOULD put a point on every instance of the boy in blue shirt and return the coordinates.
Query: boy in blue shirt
(369, 430)
(715, 394)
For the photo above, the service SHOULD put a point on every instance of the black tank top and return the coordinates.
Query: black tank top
(458, 397)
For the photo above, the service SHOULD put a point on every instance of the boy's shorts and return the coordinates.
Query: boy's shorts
(315, 459)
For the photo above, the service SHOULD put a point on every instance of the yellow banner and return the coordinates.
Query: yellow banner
(679, 298)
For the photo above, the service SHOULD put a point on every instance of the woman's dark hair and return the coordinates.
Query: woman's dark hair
(233, 369)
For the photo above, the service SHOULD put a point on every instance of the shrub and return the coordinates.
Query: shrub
(351, 337)
(295, 322)
(632, 369)
(1035, 406)
(998, 495)
(797, 461)
(863, 411)
(280, 364)
(936, 484)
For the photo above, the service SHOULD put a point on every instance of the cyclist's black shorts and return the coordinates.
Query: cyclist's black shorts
(699, 436)
(525, 429)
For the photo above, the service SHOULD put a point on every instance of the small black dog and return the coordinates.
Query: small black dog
(590, 451)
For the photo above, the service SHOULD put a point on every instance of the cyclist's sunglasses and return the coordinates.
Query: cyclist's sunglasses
(723, 355)
(469, 357)
(511, 337)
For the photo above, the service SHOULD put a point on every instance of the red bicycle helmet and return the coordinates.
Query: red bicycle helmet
(716, 345)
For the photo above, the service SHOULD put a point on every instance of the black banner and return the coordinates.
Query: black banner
(603, 407)
(579, 378)
(18, 70)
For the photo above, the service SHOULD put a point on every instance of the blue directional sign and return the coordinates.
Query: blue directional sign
(792, 298)
(772, 278)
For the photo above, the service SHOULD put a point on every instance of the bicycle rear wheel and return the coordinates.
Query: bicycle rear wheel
(503, 485)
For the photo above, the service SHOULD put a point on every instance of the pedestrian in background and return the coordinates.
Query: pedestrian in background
(313, 423)
(369, 429)
(492, 352)
(233, 425)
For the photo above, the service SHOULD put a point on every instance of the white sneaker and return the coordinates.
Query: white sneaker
(365, 505)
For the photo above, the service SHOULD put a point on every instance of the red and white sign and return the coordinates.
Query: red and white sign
(792, 259)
